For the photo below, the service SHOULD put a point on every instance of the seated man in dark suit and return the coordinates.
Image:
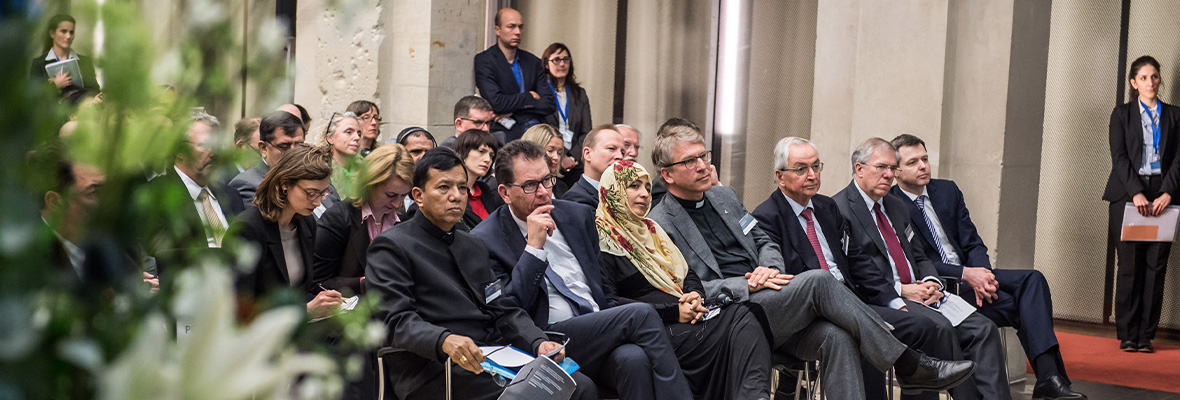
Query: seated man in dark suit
(809, 315)
(512, 79)
(880, 228)
(277, 132)
(439, 296)
(601, 148)
(546, 253)
(811, 233)
(1009, 297)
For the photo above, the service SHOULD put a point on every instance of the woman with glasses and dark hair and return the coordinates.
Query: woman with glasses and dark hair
(478, 149)
(549, 138)
(343, 136)
(59, 47)
(572, 117)
(369, 116)
(1144, 174)
(282, 228)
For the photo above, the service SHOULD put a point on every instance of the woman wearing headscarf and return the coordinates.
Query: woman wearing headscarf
(724, 356)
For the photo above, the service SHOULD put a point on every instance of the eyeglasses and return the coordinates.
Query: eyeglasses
(801, 171)
(882, 167)
(367, 118)
(530, 187)
(694, 161)
(313, 195)
(560, 60)
(478, 123)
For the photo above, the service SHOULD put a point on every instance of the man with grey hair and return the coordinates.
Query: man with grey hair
(808, 315)
(810, 231)
(192, 171)
(880, 231)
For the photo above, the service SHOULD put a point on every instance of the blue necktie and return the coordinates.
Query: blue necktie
(580, 305)
(921, 202)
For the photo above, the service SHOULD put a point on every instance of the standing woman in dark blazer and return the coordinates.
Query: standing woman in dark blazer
(60, 48)
(572, 117)
(346, 229)
(282, 226)
(1144, 172)
(478, 149)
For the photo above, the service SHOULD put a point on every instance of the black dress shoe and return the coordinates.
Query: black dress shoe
(1146, 348)
(1055, 388)
(1128, 346)
(935, 374)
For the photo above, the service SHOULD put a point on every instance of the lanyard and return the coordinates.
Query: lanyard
(1155, 126)
(516, 71)
(563, 113)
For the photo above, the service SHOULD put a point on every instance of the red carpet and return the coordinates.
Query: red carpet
(1098, 359)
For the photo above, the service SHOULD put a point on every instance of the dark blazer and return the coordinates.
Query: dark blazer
(491, 201)
(340, 244)
(947, 200)
(779, 221)
(524, 274)
(1126, 152)
(271, 270)
(863, 232)
(497, 83)
(579, 117)
(685, 235)
(582, 193)
(559, 189)
(430, 289)
(173, 238)
(85, 64)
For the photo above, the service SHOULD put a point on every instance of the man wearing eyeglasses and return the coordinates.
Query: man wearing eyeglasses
(473, 112)
(881, 231)
(810, 315)
(277, 132)
(600, 149)
(546, 254)
(512, 79)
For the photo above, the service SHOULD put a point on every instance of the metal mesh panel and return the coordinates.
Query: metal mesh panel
(1071, 218)
(1148, 34)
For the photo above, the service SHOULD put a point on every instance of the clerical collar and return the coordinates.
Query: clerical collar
(691, 204)
(433, 230)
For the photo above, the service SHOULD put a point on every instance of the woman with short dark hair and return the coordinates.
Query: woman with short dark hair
(478, 150)
(369, 116)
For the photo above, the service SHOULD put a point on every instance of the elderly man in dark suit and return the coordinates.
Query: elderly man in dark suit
(880, 227)
(546, 252)
(602, 147)
(440, 299)
(811, 232)
(1009, 297)
(512, 79)
(809, 315)
(277, 132)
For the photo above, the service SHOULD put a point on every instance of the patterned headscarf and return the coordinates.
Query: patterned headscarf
(641, 240)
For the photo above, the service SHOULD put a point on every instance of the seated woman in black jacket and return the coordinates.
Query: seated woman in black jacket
(346, 229)
(283, 228)
(478, 149)
(724, 356)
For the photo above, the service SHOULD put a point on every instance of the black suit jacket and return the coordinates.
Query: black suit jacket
(430, 289)
(582, 193)
(524, 274)
(1126, 152)
(270, 272)
(579, 118)
(340, 244)
(173, 238)
(85, 64)
(863, 232)
(497, 84)
(778, 220)
(947, 200)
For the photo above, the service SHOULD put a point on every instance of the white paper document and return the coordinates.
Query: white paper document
(954, 309)
(506, 356)
(1160, 228)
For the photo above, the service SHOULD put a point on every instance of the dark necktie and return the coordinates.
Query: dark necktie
(814, 239)
(893, 244)
(921, 203)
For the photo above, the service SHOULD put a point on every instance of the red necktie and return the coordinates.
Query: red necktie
(814, 239)
(891, 242)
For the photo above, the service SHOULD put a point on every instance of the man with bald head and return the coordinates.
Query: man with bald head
(299, 112)
(601, 148)
(512, 79)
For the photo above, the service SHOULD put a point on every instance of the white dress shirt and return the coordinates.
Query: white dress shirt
(562, 261)
(896, 303)
(819, 233)
(194, 190)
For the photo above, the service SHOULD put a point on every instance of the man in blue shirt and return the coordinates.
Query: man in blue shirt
(512, 80)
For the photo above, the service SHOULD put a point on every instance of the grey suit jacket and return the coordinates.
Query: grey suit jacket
(246, 184)
(862, 231)
(684, 233)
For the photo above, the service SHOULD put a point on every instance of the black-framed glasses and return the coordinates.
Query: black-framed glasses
(530, 187)
(367, 118)
(800, 171)
(478, 123)
(313, 195)
(559, 60)
(694, 161)
(882, 167)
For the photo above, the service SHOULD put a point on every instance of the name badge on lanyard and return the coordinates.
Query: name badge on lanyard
(1155, 132)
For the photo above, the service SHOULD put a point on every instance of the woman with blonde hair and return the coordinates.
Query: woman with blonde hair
(346, 229)
(549, 138)
(283, 228)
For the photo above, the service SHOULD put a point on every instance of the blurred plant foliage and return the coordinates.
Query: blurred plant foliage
(62, 341)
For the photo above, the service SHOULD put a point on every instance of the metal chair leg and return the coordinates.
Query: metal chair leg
(448, 378)
(380, 378)
(889, 383)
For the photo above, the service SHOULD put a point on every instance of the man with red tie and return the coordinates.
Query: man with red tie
(879, 228)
